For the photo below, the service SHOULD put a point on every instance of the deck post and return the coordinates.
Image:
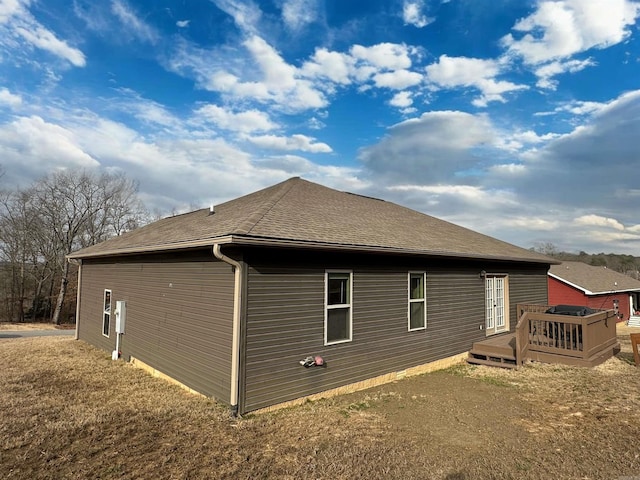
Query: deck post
(635, 344)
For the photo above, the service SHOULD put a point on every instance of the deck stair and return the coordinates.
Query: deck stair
(499, 351)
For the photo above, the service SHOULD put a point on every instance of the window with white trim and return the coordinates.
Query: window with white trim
(106, 313)
(337, 312)
(417, 301)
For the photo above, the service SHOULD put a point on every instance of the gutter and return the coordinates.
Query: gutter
(306, 244)
(235, 342)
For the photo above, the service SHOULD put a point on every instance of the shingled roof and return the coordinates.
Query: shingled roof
(593, 280)
(302, 214)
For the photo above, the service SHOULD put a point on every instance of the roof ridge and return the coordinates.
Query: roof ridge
(254, 218)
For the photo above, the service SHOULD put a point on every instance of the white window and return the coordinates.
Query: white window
(106, 317)
(417, 301)
(337, 312)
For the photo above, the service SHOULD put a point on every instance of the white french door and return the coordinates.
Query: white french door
(496, 304)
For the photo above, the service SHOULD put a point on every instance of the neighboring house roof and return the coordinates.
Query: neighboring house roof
(593, 280)
(303, 214)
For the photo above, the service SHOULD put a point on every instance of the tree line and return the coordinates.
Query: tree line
(627, 264)
(42, 223)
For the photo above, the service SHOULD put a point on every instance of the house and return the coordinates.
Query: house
(578, 283)
(231, 301)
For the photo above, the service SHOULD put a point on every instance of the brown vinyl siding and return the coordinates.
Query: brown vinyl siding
(179, 315)
(527, 286)
(285, 320)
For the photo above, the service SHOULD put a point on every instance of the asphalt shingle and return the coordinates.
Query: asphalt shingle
(594, 279)
(313, 216)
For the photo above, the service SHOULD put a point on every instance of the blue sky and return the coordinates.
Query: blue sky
(517, 119)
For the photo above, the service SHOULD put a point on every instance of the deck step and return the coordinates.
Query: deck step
(491, 359)
(633, 322)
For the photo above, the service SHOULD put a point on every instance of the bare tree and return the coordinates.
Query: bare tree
(546, 248)
(17, 247)
(79, 209)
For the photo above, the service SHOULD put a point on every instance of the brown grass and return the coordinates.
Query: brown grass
(68, 411)
(27, 326)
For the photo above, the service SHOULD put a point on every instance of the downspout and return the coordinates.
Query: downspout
(79, 264)
(235, 342)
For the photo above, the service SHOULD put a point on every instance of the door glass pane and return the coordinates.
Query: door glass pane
(499, 294)
(489, 302)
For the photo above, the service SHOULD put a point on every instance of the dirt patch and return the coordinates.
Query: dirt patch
(68, 411)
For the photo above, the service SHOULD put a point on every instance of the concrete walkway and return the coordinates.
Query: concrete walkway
(33, 333)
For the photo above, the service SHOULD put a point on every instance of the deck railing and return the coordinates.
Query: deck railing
(579, 340)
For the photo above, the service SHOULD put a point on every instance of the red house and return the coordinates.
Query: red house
(576, 283)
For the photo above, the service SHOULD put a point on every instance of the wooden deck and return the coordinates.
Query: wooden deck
(499, 351)
(571, 340)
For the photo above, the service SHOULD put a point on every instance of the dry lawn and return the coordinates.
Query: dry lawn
(68, 412)
(26, 326)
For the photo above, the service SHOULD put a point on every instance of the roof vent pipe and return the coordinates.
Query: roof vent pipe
(212, 209)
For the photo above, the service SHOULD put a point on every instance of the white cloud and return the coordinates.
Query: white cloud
(412, 14)
(592, 168)
(560, 29)
(10, 99)
(18, 26)
(247, 121)
(534, 223)
(280, 83)
(32, 145)
(508, 169)
(581, 108)
(297, 14)
(519, 139)
(9, 8)
(598, 221)
(294, 142)
(468, 192)
(551, 69)
(334, 66)
(152, 112)
(133, 24)
(183, 23)
(390, 56)
(315, 123)
(434, 147)
(401, 100)
(463, 204)
(397, 80)
(245, 13)
(40, 37)
(454, 72)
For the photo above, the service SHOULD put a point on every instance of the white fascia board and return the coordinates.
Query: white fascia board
(587, 292)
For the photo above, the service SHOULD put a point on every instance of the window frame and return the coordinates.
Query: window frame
(106, 314)
(328, 307)
(422, 300)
